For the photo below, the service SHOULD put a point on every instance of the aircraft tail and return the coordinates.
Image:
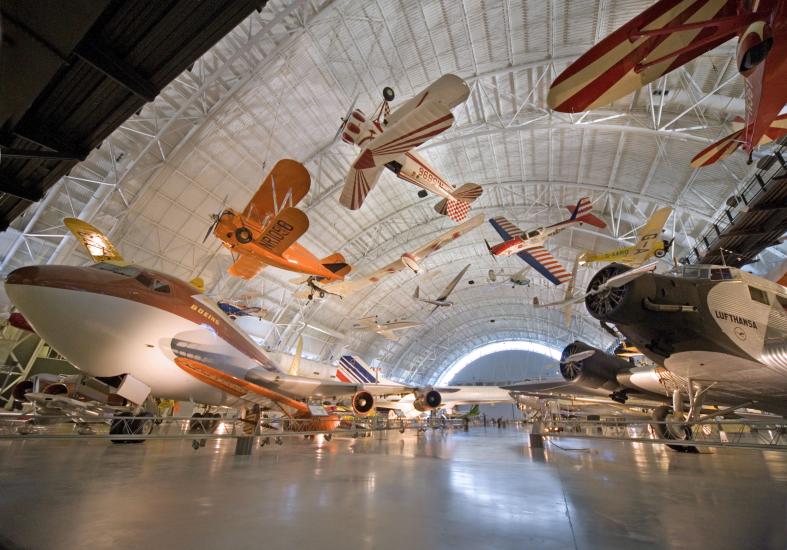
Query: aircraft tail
(335, 263)
(581, 213)
(457, 209)
(354, 370)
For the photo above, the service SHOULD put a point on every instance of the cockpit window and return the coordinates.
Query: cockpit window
(126, 271)
(154, 284)
(720, 274)
(758, 295)
(532, 234)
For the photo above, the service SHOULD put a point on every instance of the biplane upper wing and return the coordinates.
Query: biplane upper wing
(285, 185)
(662, 38)
(246, 267)
(95, 242)
(414, 128)
(449, 89)
(540, 259)
(650, 232)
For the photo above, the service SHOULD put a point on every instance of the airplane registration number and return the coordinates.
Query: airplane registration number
(275, 234)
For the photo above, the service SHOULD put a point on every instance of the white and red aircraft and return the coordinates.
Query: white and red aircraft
(530, 245)
(388, 138)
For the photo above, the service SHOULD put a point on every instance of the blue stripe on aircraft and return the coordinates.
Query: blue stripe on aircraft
(350, 362)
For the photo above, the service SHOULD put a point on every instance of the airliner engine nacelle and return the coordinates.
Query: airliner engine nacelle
(427, 400)
(753, 46)
(362, 402)
(600, 370)
(410, 261)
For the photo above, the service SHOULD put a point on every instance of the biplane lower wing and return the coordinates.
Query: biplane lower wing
(540, 259)
(414, 129)
(246, 267)
(357, 185)
(284, 230)
(729, 144)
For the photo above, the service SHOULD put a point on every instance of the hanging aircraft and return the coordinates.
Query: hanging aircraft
(718, 336)
(411, 260)
(388, 139)
(671, 33)
(530, 245)
(266, 231)
(517, 279)
(164, 337)
(442, 299)
(648, 244)
(387, 330)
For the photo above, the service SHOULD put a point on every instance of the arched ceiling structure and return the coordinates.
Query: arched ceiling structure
(277, 86)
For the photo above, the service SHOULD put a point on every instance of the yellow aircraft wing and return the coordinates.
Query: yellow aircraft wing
(95, 242)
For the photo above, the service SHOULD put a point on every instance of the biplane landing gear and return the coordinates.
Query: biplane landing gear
(243, 234)
(660, 253)
(422, 194)
(388, 93)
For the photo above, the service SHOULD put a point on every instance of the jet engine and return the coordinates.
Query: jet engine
(362, 402)
(753, 47)
(410, 261)
(599, 370)
(427, 400)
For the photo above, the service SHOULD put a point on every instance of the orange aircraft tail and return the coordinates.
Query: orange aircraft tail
(336, 263)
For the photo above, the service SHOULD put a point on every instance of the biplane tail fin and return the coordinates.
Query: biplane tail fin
(729, 144)
(335, 263)
(457, 208)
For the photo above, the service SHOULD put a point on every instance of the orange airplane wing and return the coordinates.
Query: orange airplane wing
(662, 38)
(284, 230)
(247, 267)
(286, 185)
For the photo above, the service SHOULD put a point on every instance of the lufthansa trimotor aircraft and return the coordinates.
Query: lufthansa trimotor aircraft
(718, 337)
(118, 319)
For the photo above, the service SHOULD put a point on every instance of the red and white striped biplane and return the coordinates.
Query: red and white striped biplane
(388, 139)
(671, 33)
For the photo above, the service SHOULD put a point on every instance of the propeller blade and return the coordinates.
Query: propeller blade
(345, 119)
(210, 229)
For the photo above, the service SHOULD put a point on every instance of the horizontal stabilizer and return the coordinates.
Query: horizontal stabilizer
(457, 209)
(335, 263)
(284, 230)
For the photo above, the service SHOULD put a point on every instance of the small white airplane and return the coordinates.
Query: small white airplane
(388, 330)
(529, 245)
(388, 140)
(517, 279)
(442, 300)
(411, 260)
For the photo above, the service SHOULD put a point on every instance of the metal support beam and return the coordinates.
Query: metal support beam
(101, 58)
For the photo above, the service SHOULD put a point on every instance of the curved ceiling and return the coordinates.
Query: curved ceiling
(277, 86)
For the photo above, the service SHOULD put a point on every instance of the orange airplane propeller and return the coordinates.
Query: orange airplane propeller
(264, 233)
(671, 33)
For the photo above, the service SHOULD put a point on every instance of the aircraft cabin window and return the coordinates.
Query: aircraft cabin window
(782, 300)
(153, 283)
(758, 295)
(720, 274)
(532, 234)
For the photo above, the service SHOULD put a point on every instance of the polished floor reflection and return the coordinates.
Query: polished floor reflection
(482, 489)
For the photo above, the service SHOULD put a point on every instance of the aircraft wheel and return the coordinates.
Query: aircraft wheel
(243, 234)
(388, 93)
(322, 294)
(660, 253)
(127, 424)
(666, 428)
(328, 437)
(196, 424)
(422, 194)
(311, 296)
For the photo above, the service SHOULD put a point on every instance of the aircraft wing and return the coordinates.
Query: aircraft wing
(545, 263)
(505, 228)
(286, 228)
(652, 228)
(357, 185)
(460, 395)
(657, 41)
(95, 242)
(452, 285)
(287, 183)
(344, 288)
(246, 267)
(449, 89)
(566, 390)
(413, 129)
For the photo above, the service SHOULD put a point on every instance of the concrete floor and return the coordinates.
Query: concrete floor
(482, 489)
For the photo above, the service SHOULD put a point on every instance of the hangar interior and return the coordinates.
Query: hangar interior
(148, 120)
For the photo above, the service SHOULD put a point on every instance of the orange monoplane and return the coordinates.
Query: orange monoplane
(671, 33)
(266, 231)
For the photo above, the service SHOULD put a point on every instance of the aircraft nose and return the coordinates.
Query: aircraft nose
(30, 275)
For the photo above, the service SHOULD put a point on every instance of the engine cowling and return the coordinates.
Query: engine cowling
(753, 46)
(410, 261)
(599, 370)
(362, 402)
(427, 400)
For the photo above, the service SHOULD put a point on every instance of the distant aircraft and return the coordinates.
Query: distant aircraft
(648, 245)
(717, 335)
(266, 231)
(671, 33)
(388, 330)
(388, 140)
(164, 337)
(442, 300)
(411, 260)
(530, 245)
(517, 279)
